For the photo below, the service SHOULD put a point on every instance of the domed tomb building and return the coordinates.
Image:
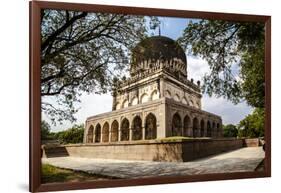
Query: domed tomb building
(157, 101)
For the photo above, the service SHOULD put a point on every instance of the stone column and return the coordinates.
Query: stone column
(130, 134)
(143, 133)
(109, 136)
(119, 134)
(205, 129)
(101, 135)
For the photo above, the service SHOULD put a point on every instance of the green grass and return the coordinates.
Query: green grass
(51, 174)
(175, 138)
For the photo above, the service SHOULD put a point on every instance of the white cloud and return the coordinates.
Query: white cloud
(230, 113)
(197, 68)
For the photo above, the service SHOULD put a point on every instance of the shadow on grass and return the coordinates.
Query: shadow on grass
(52, 174)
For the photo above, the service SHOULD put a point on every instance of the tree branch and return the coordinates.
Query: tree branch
(52, 37)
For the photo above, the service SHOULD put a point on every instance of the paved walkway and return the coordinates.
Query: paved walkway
(241, 160)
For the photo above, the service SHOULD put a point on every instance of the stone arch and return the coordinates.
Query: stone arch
(105, 132)
(184, 101)
(150, 126)
(144, 98)
(125, 129)
(176, 125)
(186, 125)
(177, 98)
(137, 128)
(125, 103)
(195, 127)
(202, 128)
(118, 106)
(114, 131)
(98, 133)
(135, 101)
(209, 129)
(90, 134)
(168, 94)
(155, 95)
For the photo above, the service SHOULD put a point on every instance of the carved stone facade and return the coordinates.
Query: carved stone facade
(157, 101)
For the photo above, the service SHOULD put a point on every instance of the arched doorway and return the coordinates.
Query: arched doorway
(90, 134)
(125, 130)
(209, 129)
(98, 133)
(105, 132)
(150, 127)
(137, 128)
(195, 127)
(176, 125)
(114, 131)
(186, 125)
(202, 128)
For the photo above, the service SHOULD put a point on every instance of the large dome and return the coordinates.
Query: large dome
(158, 49)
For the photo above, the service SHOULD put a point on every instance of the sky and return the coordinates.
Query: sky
(92, 104)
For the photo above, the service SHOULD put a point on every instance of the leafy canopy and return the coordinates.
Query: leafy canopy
(83, 52)
(72, 135)
(235, 54)
(252, 125)
(45, 131)
(230, 130)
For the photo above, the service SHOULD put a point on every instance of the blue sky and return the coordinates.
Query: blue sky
(171, 27)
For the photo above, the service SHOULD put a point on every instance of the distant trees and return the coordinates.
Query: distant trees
(72, 135)
(230, 130)
(253, 124)
(46, 131)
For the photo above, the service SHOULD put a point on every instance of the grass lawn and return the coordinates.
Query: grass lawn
(51, 174)
(175, 138)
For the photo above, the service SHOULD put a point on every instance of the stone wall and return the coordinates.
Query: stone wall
(251, 142)
(152, 150)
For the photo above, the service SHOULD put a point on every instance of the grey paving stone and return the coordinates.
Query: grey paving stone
(241, 160)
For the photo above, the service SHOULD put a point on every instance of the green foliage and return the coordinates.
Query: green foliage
(71, 135)
(45, 131)
(252, 125)
(52, 174)
(230, 130)
(235, 54)
(83, 52)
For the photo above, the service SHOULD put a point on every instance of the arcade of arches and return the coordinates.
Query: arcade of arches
(197, 127)
(127, 131)
(146, 129)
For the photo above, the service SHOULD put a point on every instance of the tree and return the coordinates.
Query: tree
(82, 52)
(72, 135)
(230, 130)
(252, 125)
(45, 130)
(229, 47)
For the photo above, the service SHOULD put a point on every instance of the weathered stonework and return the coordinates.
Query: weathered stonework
(157, 101)
(149, 150)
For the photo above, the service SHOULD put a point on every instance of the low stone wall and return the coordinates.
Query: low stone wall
(152, 150)
(251, 142)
